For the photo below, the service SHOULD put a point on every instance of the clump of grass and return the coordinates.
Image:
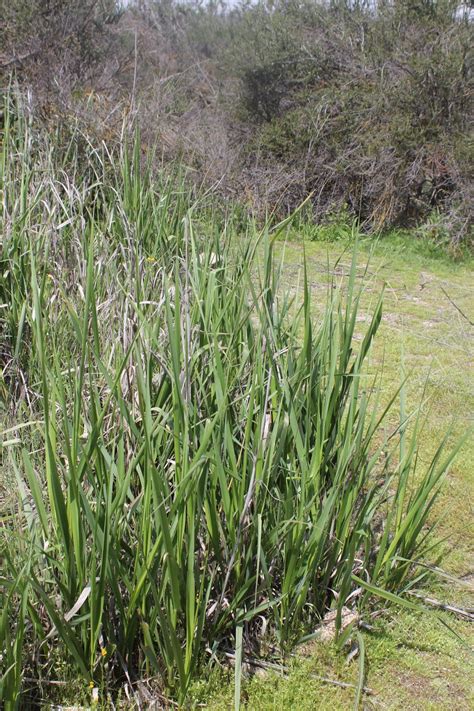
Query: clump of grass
(200, 455)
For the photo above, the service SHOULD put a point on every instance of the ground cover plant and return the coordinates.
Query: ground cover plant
(194, 462)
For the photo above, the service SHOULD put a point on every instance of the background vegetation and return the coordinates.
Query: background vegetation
(366, 106)
(208, 458)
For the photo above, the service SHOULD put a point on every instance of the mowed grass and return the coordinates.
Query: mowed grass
(414, 661)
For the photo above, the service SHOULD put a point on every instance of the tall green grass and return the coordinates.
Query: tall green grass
(196, 456)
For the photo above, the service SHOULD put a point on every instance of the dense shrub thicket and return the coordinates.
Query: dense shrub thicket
(366, 105)
(56, 45)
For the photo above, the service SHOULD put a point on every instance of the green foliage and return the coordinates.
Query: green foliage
(361, 108)
(200, 452)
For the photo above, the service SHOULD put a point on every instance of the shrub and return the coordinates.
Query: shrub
(365, 105)
(57, 46)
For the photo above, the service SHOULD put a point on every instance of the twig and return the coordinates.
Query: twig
(284, 671)
(19, 59)
(464, 613)
(456, 307)
(46, 682)
(342, 684)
